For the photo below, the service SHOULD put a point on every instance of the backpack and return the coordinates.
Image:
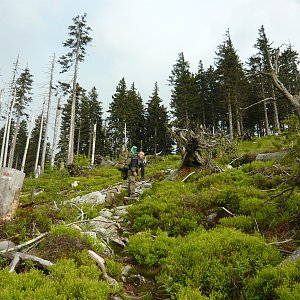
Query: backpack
(135, 161)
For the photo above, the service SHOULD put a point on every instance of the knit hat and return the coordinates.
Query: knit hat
(133, 149)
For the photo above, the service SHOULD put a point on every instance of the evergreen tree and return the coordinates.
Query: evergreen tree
(23, 98)
(97, 118)
(65, 125)
(33, 146)
(184, 94)
(135, 118)
(232, 81)
(78, 39)
(21, 144)
(117, 118)
(90, 114)
(254, 110)
(157, 138)
(209, 97)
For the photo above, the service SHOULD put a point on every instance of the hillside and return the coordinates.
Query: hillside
(199, 235)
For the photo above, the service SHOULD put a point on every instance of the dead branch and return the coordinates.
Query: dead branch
(281, 242)
(263, 100)
(16, 256)
(38, 238)
(184, 179)
(101, 262)
(229, 212)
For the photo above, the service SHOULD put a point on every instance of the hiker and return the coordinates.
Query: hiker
(124, 160)
(136, 163)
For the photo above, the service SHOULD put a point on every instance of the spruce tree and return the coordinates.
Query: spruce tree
(117, 119)
(135, 118)
(33, 145)
(22, 100)
(183, 93)
(232, 80)
(78, 39)
(63, 142)
(20, 144)
(96, 110)
(157, 138)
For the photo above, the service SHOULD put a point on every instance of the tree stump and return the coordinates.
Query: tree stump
(11, 182)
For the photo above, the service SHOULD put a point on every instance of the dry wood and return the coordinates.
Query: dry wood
(38, 238)
(184, 179)
(280, 242)
(16, 256)
(273, 73)
(101, 262)
(229, 212)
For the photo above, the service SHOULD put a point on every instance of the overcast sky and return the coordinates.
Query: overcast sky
(136, 39)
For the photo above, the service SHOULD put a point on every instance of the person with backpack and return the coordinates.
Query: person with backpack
(136, 163)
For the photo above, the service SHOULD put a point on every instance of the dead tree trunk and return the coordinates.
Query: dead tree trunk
(273, 73)
(196, 148)
(27, 143)
(11, 181)
(36, 172)
(55, 132)
(47, 116)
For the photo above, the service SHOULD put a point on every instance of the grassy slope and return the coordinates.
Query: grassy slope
(180, 215)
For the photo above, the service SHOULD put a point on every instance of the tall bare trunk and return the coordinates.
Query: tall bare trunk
(230, 120)
(14, 142)
(238, 123)
(6, 142)
(94, 144)
(276, 118)
(27, 144)
(36, 170)
(266, 119)
(70, 158)
(55, 133)
(43, 159)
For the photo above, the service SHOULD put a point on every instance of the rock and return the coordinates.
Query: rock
(93, 198)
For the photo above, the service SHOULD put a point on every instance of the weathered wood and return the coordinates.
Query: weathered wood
(16, 256)
(101, 262)
(11, 182)
(25, 244)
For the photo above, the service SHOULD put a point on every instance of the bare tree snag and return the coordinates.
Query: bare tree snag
(11, 182)
(273, 73)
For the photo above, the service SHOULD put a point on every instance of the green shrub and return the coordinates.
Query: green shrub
(275, 283)
(250, 205)
(243, 223)
(162, 208)
(219, 261)
(65, 281)
(149, 250)
(114, 268)
(188, 293)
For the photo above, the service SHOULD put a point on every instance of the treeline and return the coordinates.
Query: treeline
(230, 96)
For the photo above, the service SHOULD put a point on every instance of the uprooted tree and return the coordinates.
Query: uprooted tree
(198, 147)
